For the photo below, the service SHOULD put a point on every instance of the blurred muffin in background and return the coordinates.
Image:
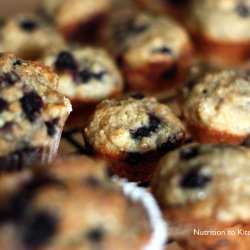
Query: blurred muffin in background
(87, 75)
(28, 36)
(175, 8)
(215, 105)
(203, 192)
(221, 29)
(44, 209)
(152, 50)
(79, 20)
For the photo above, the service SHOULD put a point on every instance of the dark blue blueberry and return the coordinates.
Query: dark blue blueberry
(84, 75)
(137, 96)
(8, 79)
(17, 62)
(145, 131)
(7, 127)
(195, 179)
(91, 181)
(170, 145)
(95, 235)
(32, 105)
(243, 10)
(134, 27)
(99, 75)
(169, 73)
(28, 25)
(65, 61)
(51, 126)
(133, 158)
(162, 50)
(3, 105)
(41, 181)
(188, 153)
(39, 229)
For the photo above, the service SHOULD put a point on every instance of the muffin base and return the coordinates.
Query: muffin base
(222, 53)
(136, 167)
(85, 31)
(156, 77)
(209, 135)
(30, 156)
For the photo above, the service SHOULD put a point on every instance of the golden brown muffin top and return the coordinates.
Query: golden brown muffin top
(85, 73)
(220, 99)
(135, 124)
(142, 37)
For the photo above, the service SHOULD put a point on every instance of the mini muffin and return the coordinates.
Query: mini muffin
(28, 36)
(32, 113)
(152, 50)
(216, 108)
(221, 29)
(87, 75)
(175, 8)
(77, 19)
(54, 213)
(204, 194)
(132, 134)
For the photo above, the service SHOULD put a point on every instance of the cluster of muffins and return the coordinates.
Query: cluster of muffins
(106, 69)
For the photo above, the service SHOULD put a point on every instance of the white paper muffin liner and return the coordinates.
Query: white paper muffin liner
(159, 227)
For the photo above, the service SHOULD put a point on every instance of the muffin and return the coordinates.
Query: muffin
(203, 191)
(132, 134)
(87, 75)
(216, 107)
(175, 8)
(152, 50)
(77, 19)
(28, 36)
(53, 212)
(221, 29)
(32, 113)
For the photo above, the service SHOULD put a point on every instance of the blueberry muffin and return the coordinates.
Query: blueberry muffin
(204, 194)
(221, 29)
(175, 8)
(87, 75)
(217, 108)
(152, 50)
(27, 36)
(32, 113)
(53, 213)
(132, 134)
(77, 19)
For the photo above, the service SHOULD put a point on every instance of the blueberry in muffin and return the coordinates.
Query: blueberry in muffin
(203, 193)
(87, 75)
(44, 209)
(132, 134)
(221, 29)
(152, 50)
(32, 113)
(28, 36)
